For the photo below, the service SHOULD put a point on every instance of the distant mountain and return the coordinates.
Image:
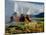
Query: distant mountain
(40, 15)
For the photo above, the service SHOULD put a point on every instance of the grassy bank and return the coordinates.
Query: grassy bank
(31, 27)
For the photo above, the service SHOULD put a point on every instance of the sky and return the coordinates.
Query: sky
(26, 7)
(32, 8)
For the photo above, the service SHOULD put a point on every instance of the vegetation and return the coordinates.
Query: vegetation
(26, 27)
(41, 19)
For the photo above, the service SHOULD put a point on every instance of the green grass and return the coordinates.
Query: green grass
(39, 27)
(21, 27)
(38, 18)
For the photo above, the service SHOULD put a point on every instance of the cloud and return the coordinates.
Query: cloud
(25, 7)
(29, 8)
